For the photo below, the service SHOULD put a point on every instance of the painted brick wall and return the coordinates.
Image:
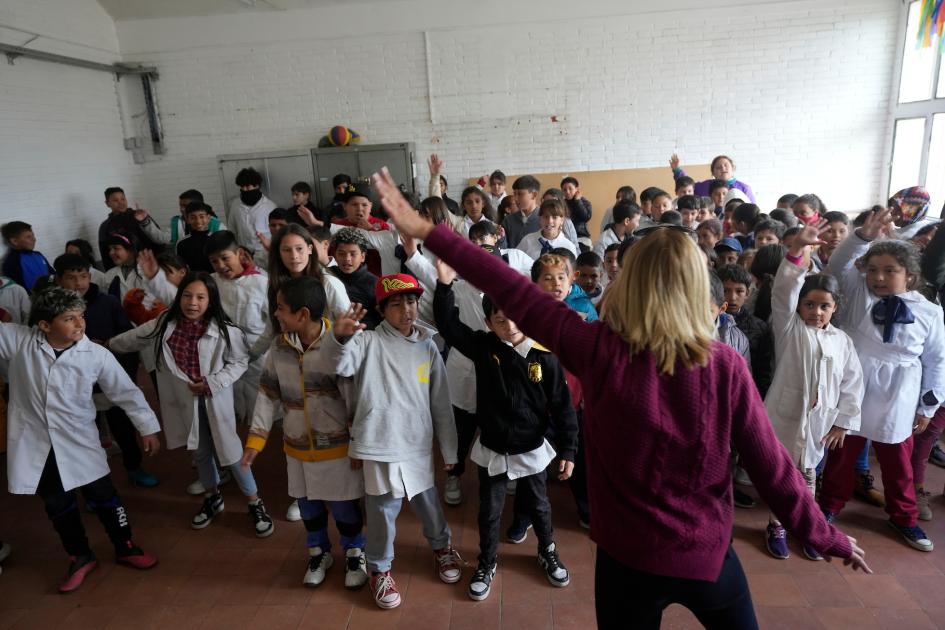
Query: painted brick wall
(796, 92)
(60, 127)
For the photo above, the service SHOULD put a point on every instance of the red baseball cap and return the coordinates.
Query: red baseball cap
(395, 284)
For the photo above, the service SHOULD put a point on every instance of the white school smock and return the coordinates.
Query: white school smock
(898, 374)
(51, 407)
(532, 247)
(246, 221)
(218, 364)
(607, 238)
(817, 383)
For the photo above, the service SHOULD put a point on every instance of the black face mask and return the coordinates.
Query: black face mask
(250, 197)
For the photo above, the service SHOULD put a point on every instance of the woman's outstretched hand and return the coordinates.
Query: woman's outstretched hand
(407, 220)
(857, 559)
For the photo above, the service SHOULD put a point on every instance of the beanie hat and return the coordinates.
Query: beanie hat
(916, 198)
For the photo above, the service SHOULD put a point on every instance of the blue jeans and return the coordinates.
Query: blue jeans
(347, 518)
(206, 463)
(862, 461)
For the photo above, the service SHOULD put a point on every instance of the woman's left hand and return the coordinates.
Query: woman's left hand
(407, 220)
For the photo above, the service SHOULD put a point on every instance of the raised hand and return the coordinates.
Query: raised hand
(148, 263)
(407, 220)
(264, 240)
(444, 273)
(140, 213)
(306, 214)
(877, 224)
(674, 161)
(350, 322)
(811, 235)
(435, 164)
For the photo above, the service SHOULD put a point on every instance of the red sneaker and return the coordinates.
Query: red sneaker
(448, 565)
(136, 557)
(79, 567)
(385, 591)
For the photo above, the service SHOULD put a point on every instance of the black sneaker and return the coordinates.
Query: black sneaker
(937, 456)
(914, 536)
(481, 583)
(518, 530)
(741, 499)
(212, 506)
(261, 519)
(557, 573)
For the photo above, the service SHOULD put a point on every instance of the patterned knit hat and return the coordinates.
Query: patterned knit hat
(395, 284)
(911, 203)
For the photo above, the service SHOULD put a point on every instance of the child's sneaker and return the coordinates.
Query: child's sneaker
(79, 568)
(776, 541)
(142, 478)
(742, 499)
(937, 456)
(212, 506)
(481, 583)
(741, 477)
(557, 573)
(453, 493)
(811, 554)
(318, 564)
(385, 590)
(196, 488)
(294, 513)
(518, 530)
(262, 522)
(914, 537)
(922, 497)
(355, 569)
(448, 565)
(134, 556)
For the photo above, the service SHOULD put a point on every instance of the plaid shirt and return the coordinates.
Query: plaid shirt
(183, 345)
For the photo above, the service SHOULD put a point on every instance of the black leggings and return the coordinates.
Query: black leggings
(627, 598)
(63, 510)
(126, 436)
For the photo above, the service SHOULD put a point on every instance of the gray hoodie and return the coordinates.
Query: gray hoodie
(402, 394)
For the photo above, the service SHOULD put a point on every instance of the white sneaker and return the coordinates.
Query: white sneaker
(196, 488)
(355, 569)
(741, 477)
(453, 493)
(293, 514)
(318, 564)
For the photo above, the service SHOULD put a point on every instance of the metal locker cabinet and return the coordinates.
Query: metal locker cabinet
(279, 170)
(360, 162)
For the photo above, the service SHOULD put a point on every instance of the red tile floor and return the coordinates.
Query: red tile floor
(223, 577)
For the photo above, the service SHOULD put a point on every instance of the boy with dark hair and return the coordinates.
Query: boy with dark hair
(104, 319)
(525, 191)
(302, 201)
(298, 384)
(579, 208)
(718, 188)
(671, 217)
(737, 284)
(785, 217)
(512, 443)
(351, 250)
(660, 202)
(768, 232)
(626, 215)
(588, 275)
(278, 219)
(179, 228)
(612, 261)
(688, 207)
(336, 209)
(485, 235)
(685, 186)
(393, 429)
(624, 193)
(744, 219)
(21, 264)
(248, 215)
(728, 250)
(786, 202)
(191, 248)
(53, 367)
(137, 223)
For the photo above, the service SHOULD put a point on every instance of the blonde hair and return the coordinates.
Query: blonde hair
(660, 301)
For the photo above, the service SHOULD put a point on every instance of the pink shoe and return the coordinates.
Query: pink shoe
(137, 557)
(448, 565)
(385, 590)
(79, 567)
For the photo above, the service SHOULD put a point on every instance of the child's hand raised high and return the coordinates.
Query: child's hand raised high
(264, 240)
(306, 214)
(350, 322)
(435, 164)
(808, 237)
(877, 224)
(407, 220)
(444, 273)
(148, 263)
(674, 161)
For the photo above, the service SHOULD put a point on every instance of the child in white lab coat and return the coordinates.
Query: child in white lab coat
(815, 394)
(200, 355)
(900, 339)
(53, 441)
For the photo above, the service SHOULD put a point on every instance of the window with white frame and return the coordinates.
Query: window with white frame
(918, 149)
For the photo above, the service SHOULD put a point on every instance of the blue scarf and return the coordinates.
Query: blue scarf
(890, 311)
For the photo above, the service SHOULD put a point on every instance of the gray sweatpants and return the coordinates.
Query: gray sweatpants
(380, 515)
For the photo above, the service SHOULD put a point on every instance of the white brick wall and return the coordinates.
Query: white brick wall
(796, 92)
(60, 129)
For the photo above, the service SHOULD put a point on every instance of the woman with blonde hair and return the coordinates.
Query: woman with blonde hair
(663, 401)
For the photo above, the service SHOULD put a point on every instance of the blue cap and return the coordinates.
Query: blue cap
(729, 243)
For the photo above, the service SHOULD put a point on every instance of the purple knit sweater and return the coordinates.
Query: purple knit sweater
(659, 481)
(702, 188)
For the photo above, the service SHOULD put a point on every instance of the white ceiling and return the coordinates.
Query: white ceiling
(143, 9)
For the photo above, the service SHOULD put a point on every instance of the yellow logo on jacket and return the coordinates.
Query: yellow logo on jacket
(423, 372)
(534, 372)
(393, 284)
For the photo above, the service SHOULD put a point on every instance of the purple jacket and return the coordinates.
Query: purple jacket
(657, 446)
(702, 188)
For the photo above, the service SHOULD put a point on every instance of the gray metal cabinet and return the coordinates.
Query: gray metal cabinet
(317, 166)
